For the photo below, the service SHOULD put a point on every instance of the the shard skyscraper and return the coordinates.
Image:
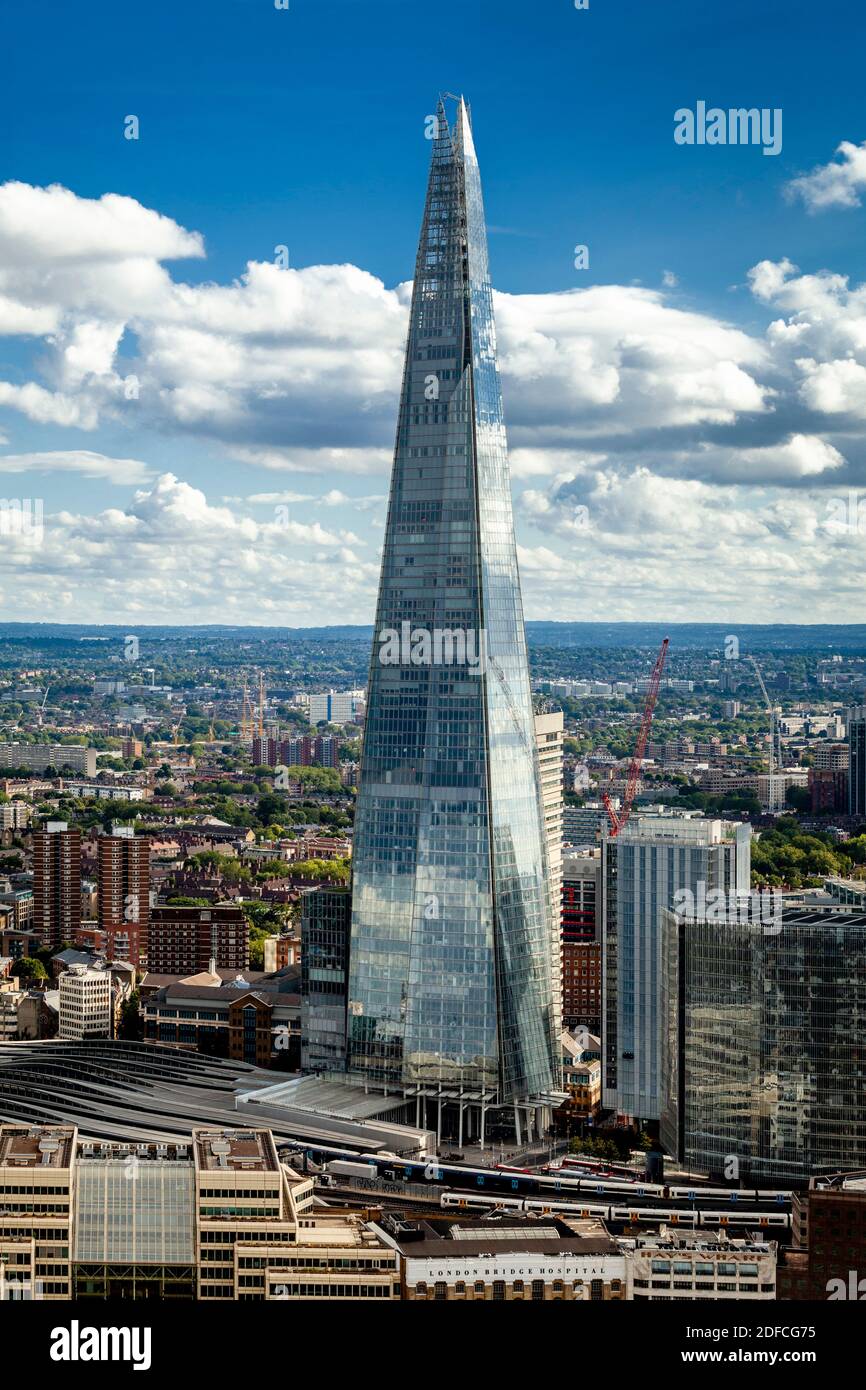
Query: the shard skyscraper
(450, 991)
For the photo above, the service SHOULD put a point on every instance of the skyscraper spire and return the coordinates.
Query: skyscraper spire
(450, 973)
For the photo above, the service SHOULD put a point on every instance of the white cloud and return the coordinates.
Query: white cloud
(90, 465)
(697, 449)
(171, 552)
(49, 407)
(835, 185)
(834, 388)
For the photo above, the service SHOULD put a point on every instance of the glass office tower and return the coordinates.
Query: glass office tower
(450, 973)
(762, 1053)
(652, 859)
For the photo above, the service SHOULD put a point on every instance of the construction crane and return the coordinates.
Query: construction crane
(773, 711)
(41, 711)
(617, 821)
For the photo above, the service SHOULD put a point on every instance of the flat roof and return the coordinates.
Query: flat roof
(36, 1146)
(484, 1238)
(235, 1150)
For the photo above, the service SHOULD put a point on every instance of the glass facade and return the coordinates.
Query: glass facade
(450, 974)
(857, 760)
(325, 927)
(763, 1044)
(135, 1211)
(651, 860)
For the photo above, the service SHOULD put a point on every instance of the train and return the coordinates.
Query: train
(690, 1218)
(389, 1167)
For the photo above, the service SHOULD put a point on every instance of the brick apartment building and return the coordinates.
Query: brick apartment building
(124, 894)
(184, 940)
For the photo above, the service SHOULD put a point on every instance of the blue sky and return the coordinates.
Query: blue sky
(304, 127)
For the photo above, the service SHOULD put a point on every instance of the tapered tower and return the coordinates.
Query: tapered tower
(450, 970)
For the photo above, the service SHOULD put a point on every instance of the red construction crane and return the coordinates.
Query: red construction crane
(618, 821)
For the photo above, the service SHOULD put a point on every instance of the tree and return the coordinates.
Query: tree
(800, 798)
(30, 969)
(129, 1026)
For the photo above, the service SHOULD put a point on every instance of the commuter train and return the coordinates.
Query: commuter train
(691, 1218)
(389, 1168)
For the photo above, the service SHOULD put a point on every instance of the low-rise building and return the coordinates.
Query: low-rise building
(476, 1260)
(256, 1021)
(692, 1266)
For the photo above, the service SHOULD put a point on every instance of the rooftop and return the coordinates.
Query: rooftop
(238, 1150)
(444, 1238)
(36, 1146)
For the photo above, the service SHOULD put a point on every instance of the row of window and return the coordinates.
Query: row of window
(333, 1291)
(537, 1288)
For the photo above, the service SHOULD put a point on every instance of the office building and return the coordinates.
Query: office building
(259, 1237)
(582, 825)
(762, 1025)
(36, 1198)
(123, 861)
(450, 972)
(238, 1180)
(651, 859)
(186, 940)
(548, 741)
(334, 706)
(257, 1020)
(857, 760)
(218, 1218)
(36, 757)
(86, 1003)
(56, 883)
(326, 920)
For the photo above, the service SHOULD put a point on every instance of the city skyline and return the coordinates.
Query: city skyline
(202, 326)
